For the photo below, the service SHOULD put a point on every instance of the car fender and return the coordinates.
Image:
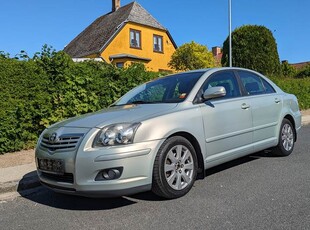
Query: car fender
(290, 109)
(184, 120)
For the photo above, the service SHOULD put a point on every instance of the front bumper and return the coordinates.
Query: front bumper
(83, 165)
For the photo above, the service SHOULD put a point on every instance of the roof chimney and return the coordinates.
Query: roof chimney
(216, 50)
(115, 5)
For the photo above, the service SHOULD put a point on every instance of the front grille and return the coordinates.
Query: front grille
(67, 177)
(64, 142)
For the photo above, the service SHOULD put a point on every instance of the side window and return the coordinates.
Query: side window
(268, 87)
(226, 79)
(252, 83)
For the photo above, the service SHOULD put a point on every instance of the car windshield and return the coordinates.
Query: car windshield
(170, 89)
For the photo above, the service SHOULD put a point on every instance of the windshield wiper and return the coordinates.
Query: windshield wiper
(137, 103)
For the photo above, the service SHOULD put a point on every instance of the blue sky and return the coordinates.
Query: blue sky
(28, 25)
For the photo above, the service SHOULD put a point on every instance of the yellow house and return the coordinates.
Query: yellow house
(127, 34)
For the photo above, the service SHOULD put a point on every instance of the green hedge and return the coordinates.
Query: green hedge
(299, 87)
(49, 87)
(37, 92)
(296, 82)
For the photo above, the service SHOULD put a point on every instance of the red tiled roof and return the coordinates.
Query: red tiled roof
(300, 65)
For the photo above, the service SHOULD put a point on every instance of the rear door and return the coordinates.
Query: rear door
(266, 106)
(227, 121)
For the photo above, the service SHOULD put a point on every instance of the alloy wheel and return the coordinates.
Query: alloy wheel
(287, 137)
(179, 167)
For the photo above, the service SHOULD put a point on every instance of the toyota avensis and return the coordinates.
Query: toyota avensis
(164, 134)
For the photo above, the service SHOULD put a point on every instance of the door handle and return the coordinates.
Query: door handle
(245, 106)
(277, 100)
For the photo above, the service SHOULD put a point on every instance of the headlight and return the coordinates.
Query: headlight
(116, 134)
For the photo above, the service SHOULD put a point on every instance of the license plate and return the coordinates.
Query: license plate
(52, 166)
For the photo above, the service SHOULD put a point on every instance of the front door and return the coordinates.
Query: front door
(227, 120)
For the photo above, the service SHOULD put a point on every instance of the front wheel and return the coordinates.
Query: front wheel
(286, 139)
(175, 168)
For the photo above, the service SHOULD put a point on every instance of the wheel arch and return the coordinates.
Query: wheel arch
(291, 119)
(195, 143)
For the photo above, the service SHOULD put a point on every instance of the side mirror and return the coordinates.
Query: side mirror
(214, 92)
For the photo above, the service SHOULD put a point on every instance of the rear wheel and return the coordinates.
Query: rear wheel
(175, 168)
(286, 139)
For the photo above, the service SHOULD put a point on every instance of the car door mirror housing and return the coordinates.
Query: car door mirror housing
(214, 92)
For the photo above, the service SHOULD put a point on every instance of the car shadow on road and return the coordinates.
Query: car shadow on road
(29, 181)
(149, 196)
(30, 188)
(47, 197)
(239, 161)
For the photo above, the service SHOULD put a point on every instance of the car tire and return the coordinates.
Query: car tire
(286, 139)
(175, 168)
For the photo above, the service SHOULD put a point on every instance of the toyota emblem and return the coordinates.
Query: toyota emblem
(53, 138)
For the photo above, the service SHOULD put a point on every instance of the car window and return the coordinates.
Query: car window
(226, 79)
(252, 83)
(171, 89)
(268, 87)
(152, 94)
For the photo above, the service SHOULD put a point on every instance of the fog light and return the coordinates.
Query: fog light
(109, 174)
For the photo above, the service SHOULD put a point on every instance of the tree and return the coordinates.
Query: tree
(288, 70)
(253, 47)
(191, 56)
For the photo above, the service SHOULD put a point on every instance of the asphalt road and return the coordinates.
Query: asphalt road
(254, 192)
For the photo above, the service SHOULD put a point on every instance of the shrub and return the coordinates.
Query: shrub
(253, 47)
(299, 87)
(304, 72)
(288, 70)
(22, 99)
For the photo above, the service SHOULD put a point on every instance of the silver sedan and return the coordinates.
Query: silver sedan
(164, 134)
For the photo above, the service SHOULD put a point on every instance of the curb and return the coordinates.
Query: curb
(305, 120)
(20, 186)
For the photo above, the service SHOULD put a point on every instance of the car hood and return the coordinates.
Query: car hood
(117, 114)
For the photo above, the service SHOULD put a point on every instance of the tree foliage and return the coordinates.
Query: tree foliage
(288, 70)
(191, 56)
(253, 47)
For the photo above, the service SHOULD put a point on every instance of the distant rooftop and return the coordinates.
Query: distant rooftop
(300, 65)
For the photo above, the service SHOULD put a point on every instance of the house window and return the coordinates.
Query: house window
(135, 38)
(158, 43)
(119, 64)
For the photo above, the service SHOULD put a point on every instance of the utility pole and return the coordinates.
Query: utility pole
(229, 19)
